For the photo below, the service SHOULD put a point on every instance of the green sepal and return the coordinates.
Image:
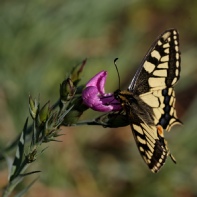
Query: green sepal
(75, 75)
(67, 90)
(33, 107)
(73, 116)
(43, 113)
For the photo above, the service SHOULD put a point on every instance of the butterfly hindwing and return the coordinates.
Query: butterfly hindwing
(163, 105)
(151, 144)
(148, 136)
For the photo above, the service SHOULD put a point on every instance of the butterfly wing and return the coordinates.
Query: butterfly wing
(150, 100)
(163, 105)
(149, 137)
(160, 68)
(154, 80)
(150, 142)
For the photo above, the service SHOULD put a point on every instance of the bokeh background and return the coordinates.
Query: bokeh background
(40, 42)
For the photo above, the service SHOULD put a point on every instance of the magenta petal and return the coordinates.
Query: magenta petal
(92, 100)
(94, 95)
(110, 100)
(98, 81)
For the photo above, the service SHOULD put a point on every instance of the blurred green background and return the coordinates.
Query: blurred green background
(40, 42)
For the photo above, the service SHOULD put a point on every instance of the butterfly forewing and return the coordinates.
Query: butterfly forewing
(161, 66)
(149, 102)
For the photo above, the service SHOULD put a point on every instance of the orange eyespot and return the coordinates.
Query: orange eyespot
(160, 130)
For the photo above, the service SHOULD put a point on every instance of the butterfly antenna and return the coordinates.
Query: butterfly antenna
(115, 60)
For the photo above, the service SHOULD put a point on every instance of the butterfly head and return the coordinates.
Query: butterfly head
(124, 97)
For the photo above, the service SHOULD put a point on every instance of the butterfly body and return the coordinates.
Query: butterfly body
(149, 101)
(132, 104)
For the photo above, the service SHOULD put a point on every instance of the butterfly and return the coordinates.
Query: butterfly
(149, 101)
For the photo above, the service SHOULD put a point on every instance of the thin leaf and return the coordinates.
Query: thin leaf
(9, 161)
(19, 153)
(29, 173)
(24, 191)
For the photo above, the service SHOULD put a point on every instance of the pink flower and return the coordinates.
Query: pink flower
(94, 95)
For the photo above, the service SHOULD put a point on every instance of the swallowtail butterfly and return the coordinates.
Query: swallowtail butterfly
(149, 101)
